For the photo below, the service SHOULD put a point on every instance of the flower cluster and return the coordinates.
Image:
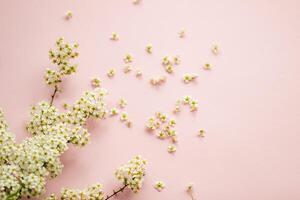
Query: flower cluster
(93, 192)
(186, 100)
(138, 73)
(125, 119)
(25, 167)
(169, 64)
(132, 173)
(164, 128)
(61, 57)
(46, 120)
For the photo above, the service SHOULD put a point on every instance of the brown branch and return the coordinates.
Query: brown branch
(53, 95)
(116, 192)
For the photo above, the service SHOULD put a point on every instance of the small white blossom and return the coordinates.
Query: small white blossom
(111, 73)
(128, 58)
(127, 69)
(124, 116)
(138, 73)
(149, 48)
(122, 103)
(215, 49)
(69, 15)
(176, 60)
(96, 82)
(159, 185)
(172, 148)
(182, 34)
(201, 133)
(114, 112)
(189, 77)
(207, 66)
(114, 36)
(136, 1)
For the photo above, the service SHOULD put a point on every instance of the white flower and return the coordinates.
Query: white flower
(215, 49)
(187, 78)
(201, 133)
(69, 15)
(176, 60)
(128, 58)
(149, 48)
(127, 69)
(171, 148)
(182, 33)
(96, 82)
(122, 103)
(111, 73)
(189, 187)
(159, 185)
(207, 66)
(114, 36)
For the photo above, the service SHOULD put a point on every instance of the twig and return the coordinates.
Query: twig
(116, 192)
(53, 95)
(192, 196)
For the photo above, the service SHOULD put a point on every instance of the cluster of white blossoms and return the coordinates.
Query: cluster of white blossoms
(25, 167)
(207, 66)
(186, 100)
(132, 174)
(46, 120)
(164, 127)
(169, 64)
(93, 192)
(61, 57)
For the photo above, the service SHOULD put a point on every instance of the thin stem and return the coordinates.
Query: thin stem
(53, 95)
(192, 196)
(116, 192)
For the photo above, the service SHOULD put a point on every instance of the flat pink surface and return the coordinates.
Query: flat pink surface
(248, 102)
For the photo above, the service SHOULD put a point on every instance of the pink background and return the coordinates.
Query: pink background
(248, 103)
